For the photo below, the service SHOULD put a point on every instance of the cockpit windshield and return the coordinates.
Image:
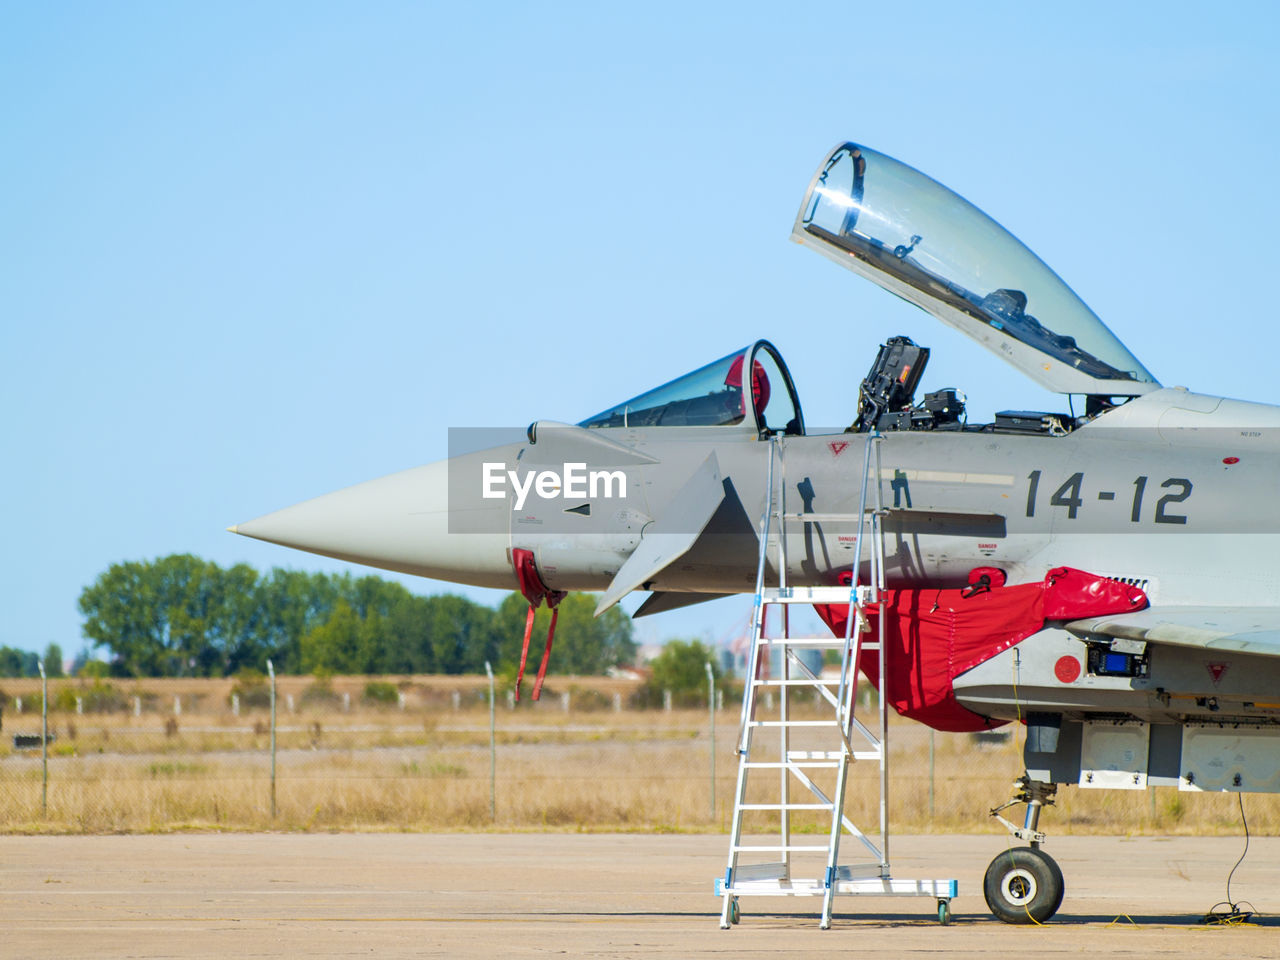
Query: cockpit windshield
(713, 396)
(913, 236)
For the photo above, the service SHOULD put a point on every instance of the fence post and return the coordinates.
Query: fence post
(711, 708)
(44, 742)
(493, 746)
(271, 672)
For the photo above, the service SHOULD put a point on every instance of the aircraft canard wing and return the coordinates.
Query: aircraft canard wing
(670, 536)
(1248, 630)
(661, 601)
(911, 235)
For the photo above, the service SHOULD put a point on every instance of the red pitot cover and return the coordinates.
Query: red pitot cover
(932, 636)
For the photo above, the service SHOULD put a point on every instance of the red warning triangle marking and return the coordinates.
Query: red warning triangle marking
(1216, 670)
(837, 446)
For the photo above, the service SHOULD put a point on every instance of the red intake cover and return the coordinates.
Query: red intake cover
(531, 585)
(932, 636)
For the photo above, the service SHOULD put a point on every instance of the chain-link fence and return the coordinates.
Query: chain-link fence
(422, 753)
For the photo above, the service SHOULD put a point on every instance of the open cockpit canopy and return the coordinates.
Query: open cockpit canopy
(930, 246)
(713, 396)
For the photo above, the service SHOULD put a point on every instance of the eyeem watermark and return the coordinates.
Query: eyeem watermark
(498, 477)
(575, 481)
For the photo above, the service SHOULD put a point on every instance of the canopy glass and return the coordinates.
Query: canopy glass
(713, 396)
(913, 236)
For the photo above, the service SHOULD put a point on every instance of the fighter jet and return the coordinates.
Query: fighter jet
(1107, 569)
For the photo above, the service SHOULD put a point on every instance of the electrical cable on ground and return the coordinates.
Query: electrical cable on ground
(1017, 704)
(1228, 912)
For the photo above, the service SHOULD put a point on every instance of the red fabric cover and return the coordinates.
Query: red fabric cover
(1072, 594)
(932, 636)
(530, 581)
(535, 591)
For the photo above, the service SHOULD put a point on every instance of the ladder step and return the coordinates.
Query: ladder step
(784, 806)
(793, 723)
(808, 594)
(779, 848)
(814, 643)
(807, 639)
(825, 517)
(799, 764)
(805, 756)
(761, 871)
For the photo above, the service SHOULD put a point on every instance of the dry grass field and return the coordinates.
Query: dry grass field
(581, 759)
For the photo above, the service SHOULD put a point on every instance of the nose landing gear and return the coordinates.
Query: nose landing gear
(1024, 884)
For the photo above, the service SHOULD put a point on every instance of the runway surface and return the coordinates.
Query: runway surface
(609, 896)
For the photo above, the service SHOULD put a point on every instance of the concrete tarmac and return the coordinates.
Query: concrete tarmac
(583, 895)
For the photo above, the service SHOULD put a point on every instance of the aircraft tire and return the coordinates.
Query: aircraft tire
(1023, 885)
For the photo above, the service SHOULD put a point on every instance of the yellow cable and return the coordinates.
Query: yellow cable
(1013, 671)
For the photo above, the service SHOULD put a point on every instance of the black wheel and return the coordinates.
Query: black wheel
(1023, 885)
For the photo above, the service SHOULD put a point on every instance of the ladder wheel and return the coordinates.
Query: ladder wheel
(944, 912)
(735, 915)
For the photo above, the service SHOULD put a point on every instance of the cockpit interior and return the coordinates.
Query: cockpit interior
(714, 396)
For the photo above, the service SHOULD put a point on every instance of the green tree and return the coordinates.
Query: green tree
(378, 646)
(236, 610)
(331, 647)
(157, 618)
(18, 663)
(53, 661)
(183, 616)
(681, 666)
(584, 644)
(290, 604)
(461, 634)
(410, 647)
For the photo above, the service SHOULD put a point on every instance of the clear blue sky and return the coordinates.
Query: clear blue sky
(250, 253)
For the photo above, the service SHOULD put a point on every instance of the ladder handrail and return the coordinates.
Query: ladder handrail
(854, 613)
(753, 659)
(877, 598)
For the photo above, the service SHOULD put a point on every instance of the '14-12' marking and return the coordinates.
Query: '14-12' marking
(1069, 495)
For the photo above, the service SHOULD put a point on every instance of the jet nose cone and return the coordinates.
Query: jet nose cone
(399, 522)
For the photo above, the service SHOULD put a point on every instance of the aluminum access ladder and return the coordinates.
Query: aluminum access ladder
(779, 751)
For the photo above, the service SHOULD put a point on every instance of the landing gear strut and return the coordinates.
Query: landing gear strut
(1024, 884)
